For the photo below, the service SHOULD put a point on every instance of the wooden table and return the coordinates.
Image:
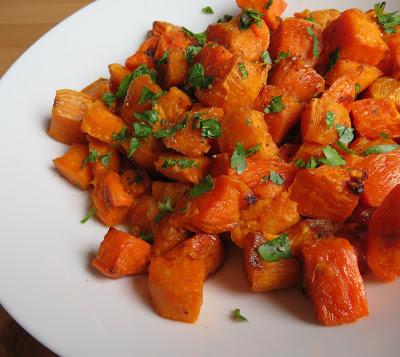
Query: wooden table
(22, 22)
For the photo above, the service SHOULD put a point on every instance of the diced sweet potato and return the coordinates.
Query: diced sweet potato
(101, 124)
(321, 17)
(360, 144)
(365, 74)
(358, 37)
(279, 124)
(183, 169)
(292, 37)
(175, 70)
(247, 127)
(114, 192)
(174, 190)
(266, 276)
(326, 192)
(371, 117)
(216, 60)
(142, 214)
(144, 54)
(308, 150)
(71, 166)
(288, 151)
(117, 74)
(333, 282)
(174, 105)
(97, 89)
(235, 91)
(108, 157)
(176, 278)
(297, 79)
(172, 38)
(314, 125)
(136, 182)
(69, 108)
(383, 238)
(121, 254)
(383, 175)
(385, 88)
(248, 43)
(343, 90)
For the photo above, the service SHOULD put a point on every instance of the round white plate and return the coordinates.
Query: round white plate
(45, 279)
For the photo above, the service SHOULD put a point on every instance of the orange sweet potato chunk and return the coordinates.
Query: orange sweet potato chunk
(101, 124)
(71, 166)
(117, 74)
(69, 108)
(358, 37)
(114, 191)
(297, 79)
(97, 89)
(136, 182)
(176, 278)
(108, 157)
(143, 55)
(321, 17)
(266, 276)
(373, 116)
(343, 90)
(216, 60)
(383, 238)
(383, 175)
(385, 88)
(174, 105)
(326, 192)
(279, 124)
(292, 37)
(333, 281)
(121, 254)
(314, 127)
(142, 214)
(360, 144)
(175, 70)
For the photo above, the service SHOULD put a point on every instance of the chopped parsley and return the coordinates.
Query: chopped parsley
(121, 136)
(163, 59)
(89, 215)
(388, 21)
(333, 58)
(345, 148)
(226, 18)
(236, 315)
(268, 4)
(276, 178)
(384, 135)
(282, 55)
(329, 119)
(148, 95)
(163, 133)
(210, 128)
(109, 99)
(201, 37)
(311, 164)
(332, 157)
(250, 17)
(276, 249)
(190, 52)
(105, 160)
(243, 70)
(253, 150)
(248, 122)
(238, 158)
(182, 163)
(310, 18)
(147, 237)
(150, 116)
(204, 186)
(92, 157)
(380, 149)
(164, 207)
(266, 58)
(346, 135)
(141, 130)
(316, 42)
(207, 10)
(197, 78)
(357, 88)
(275, 106)
(133, 145)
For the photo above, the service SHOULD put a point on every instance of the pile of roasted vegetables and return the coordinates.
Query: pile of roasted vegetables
(279, 135)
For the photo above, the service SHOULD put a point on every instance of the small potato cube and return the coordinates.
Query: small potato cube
(385, 88)
(97, 89)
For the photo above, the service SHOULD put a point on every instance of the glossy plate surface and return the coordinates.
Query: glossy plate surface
(45, 280)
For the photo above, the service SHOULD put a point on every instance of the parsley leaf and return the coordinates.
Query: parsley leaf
(163, 59)
(380, 149)
(236, 315)
(243, 70)
(333, 58)
(92, 157)
(150, 116)
(388, 21)
(248, 122)
(310, 19)
(316, 42)
(133, 145)
(329, 118)
(253, 150)
(204, 186)
(148, 95)
(141, 130)
(226, 18)
(163, 133)
(182, 163)
(357, 88)
(210, 128)
(276, 178)
(109, 99)
(276, 249)
(89, 215)
(346, 135)
(345, 148)
(275, 106)
(249, 17)
(105, 160)
(201, 37)
(268, 4)
(238, 159)
(164, 207)
(384, 135)
(121, 136)
(332, 157)
(282, 55)
(311, 164)
(190, 52)
(197, 78)
(266, 58)
(147, 237)
(207, 10)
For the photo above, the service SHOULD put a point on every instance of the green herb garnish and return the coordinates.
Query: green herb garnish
(243, 70)
(268, 4)
(105, 160)
(197, 78)
(384, 135)
(147, 237)
(141, 130)
(121, 136)
(332, 157)
(275, 106)
(250, 17)
(346, 135)
(316, 42)
(150, 116)
(210, 128)
(311, 164)
(148, 95)
(207, 10)
(164, 207)
(226, 18)
(388, 21)
(333, 58)
(201, 37)
(276, 249)
(163, 59)
(92, 157)
(109, 99)
(163, 133)
(238, 158)
(329, 119)
(133, 145)
(204, 186)
(266, 58)
(236, 315)
(282, 55)
(253, 150)
(190, 52)
(89, 215)
(276, 178)
(357, 88)
(380, 149)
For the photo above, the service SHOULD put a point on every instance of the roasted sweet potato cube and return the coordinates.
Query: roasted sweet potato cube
(101, 124)
(121, 254)
(114, 191)
(71, 166)
(136, 182)
(383, 175)
(372, 117)
(171, 38)
(308, 150)
(385, 88)
(175, 70)
(142, 214)
(342, 90)
(107, 156)
(174, 105)
(173, 190)
(333, 282)
(117, 74)
(144, 54)
(69, 108)
(393, 58)
(280, 123)
(292, 37)
(266, 276)
(216, 60)
(361, 144)
(365, 74)
(288, 151)
(248, 43)
(321, 17)
(246, 126)
(176, 278)
(235, 90)
(326, 192)
(183, 169)
(315, 125)
(97, 89)
(383, 238)
(358, 37)
(297, 79)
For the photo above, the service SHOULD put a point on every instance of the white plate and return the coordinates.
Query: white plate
(45, 281)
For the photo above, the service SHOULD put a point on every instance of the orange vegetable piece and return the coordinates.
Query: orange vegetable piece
(172, 38)
(136, 182)
(147, 153)
(360, 144)
(175, 70)
(343, 90)
(174, 105)
(101, 124)
(104, 151)
(383, 175)
(114, 192)
(176, 278)
(121, 254)
(174, 190)
(143, 55)
(358, 37)
(216, 60)
(374, 116)
(385, 88)
(326, 192)
(71, 166)
(97, 89)
(383, 238)
(321, 17)
(69, 108)
(297, 79)
(333, 281)
(266, 276)
(117, 74)
(142, 214)
(307, 150)
(314, 125)
(279, 124)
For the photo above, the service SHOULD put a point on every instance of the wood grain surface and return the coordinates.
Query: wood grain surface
(22, 22)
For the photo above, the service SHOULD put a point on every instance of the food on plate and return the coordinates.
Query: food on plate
(280, 136)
